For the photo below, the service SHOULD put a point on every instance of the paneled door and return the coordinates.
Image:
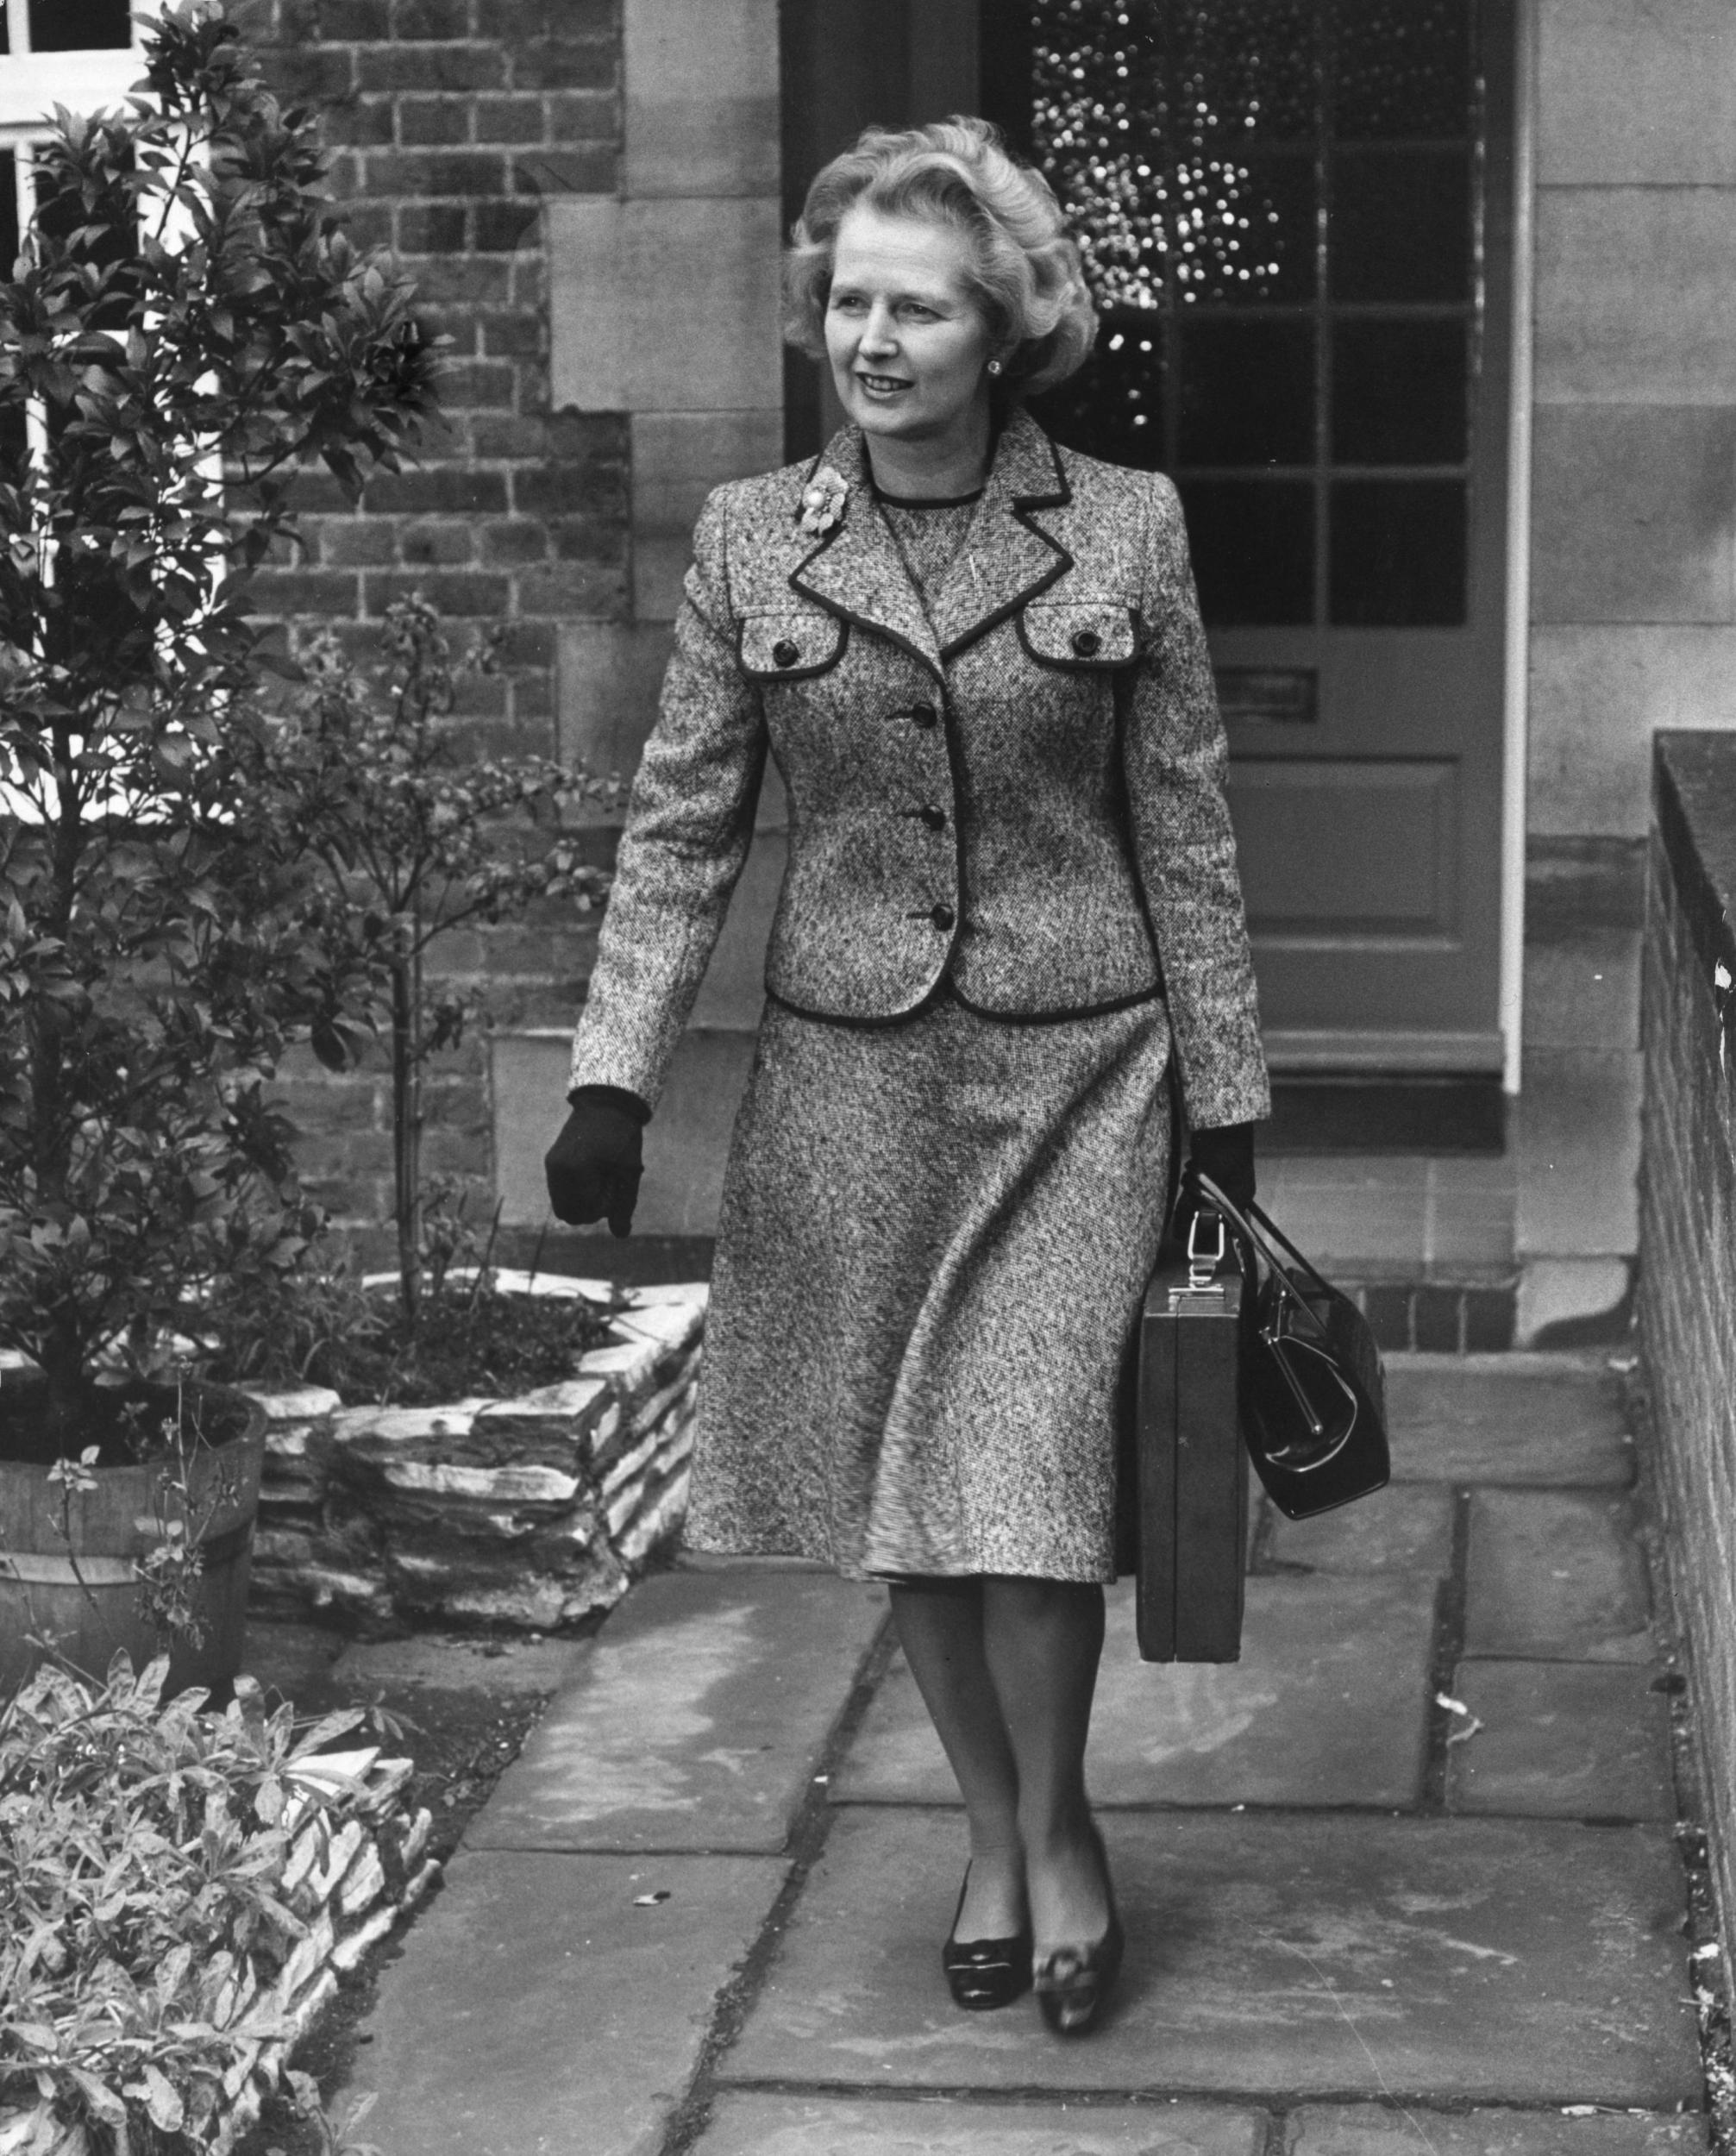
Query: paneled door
(1294, 216)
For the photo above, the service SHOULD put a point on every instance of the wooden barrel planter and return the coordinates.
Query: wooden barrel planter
(83, 1585)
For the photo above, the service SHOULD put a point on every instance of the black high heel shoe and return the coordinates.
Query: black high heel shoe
(1072, 1982)
(985, 1973)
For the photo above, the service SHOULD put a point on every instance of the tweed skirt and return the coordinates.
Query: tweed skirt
(934, 1241)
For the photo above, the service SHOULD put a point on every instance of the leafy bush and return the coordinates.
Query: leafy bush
(185, 328)
(396, 836)
(143, 1849)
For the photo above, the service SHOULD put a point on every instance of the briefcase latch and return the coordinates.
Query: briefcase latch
(1204, 1257)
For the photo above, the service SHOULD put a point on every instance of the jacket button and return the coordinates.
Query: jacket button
(935, 818)
(1086, 643)
(943, 916)
(784, 653)
(925, 714)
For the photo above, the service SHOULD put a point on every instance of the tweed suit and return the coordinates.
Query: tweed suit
(1012, 882)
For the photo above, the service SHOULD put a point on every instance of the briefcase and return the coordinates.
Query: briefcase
(1190, 1464)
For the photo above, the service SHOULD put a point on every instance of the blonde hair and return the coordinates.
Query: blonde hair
(1024, 269)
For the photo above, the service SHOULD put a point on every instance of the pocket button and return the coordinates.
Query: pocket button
(784, 653)
(1086, 643)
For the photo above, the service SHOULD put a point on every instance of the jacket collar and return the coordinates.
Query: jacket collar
(855, 571)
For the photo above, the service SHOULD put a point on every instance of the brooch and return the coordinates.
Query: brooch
(823, 501)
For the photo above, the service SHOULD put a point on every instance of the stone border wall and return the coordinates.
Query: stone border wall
(532, 1513)
(1686, 1298)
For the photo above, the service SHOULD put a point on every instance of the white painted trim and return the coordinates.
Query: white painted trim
(97, 79)
(1517, 656)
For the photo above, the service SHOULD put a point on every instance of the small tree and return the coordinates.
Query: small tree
(185, 329)
(402, 840)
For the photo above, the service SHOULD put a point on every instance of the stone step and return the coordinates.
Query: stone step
(695, 1720)
(1532, 1420)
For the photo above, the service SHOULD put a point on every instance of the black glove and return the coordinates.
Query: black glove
(1226, 1155)
(594, 1165)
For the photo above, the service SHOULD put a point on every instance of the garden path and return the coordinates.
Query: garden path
(1408, 1877)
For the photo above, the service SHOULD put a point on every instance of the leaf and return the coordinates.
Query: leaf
(162, 2100)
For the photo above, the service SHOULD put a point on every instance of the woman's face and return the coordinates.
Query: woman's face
(906, 336)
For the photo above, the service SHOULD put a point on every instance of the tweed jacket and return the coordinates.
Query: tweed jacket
(1017, 792)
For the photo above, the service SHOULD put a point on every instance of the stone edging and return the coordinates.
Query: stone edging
(534, 1512)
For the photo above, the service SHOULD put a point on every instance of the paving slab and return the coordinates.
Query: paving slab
(695, 1720)
(1364, 2129)
(1523, 1419)
(537, 2010)
(1405, 1527)
(1492, 1960)
(1556, 1573)
(1328, 1705)
(927, 2126)
(1564, 1740)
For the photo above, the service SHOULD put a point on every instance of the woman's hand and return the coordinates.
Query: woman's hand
(1226, 1155)
(594, 1165)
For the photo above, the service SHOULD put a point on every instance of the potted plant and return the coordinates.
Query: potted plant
(186, 328)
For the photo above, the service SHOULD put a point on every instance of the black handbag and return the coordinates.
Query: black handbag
(1312, 1395)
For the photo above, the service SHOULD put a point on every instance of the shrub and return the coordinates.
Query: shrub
(185, 327)
(143, 1850)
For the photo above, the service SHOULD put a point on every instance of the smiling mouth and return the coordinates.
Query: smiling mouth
(882, 385)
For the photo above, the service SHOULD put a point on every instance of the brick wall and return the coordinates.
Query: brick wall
(1688, 1235)
(454, 123)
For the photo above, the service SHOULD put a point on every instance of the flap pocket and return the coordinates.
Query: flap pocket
(1084, 634)
(792, 643)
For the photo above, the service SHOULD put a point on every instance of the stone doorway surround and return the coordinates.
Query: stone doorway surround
(664, 304)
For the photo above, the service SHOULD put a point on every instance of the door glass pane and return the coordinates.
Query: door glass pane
(1401, 225)
(1247, 391)
(76, 26)
(1245, 228)
(1113, 406)
(1402, 67)
(1398, 552)
(1245, 66)
(1399, 393)
(1253, 548)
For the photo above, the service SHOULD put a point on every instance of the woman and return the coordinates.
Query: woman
(1012, 894)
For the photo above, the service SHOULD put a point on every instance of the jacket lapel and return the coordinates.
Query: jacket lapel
(855, 570)
(1007, 557)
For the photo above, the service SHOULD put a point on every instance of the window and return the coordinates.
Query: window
(1278, 204)
(80, 53)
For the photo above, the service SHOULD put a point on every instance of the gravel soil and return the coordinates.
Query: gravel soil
(465, 1705)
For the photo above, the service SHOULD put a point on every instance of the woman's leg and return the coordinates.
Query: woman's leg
(940, 1628)
(1041, 1641)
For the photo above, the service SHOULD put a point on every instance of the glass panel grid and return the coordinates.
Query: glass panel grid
(1270, 193)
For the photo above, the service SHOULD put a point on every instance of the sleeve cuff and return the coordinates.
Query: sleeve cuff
(612, 1097)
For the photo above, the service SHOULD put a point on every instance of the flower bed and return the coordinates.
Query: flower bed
(190, 1889)
(532, 1513)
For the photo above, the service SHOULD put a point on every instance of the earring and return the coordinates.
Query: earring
(994, 367)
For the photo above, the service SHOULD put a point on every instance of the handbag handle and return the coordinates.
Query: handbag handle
(1261, 1238)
